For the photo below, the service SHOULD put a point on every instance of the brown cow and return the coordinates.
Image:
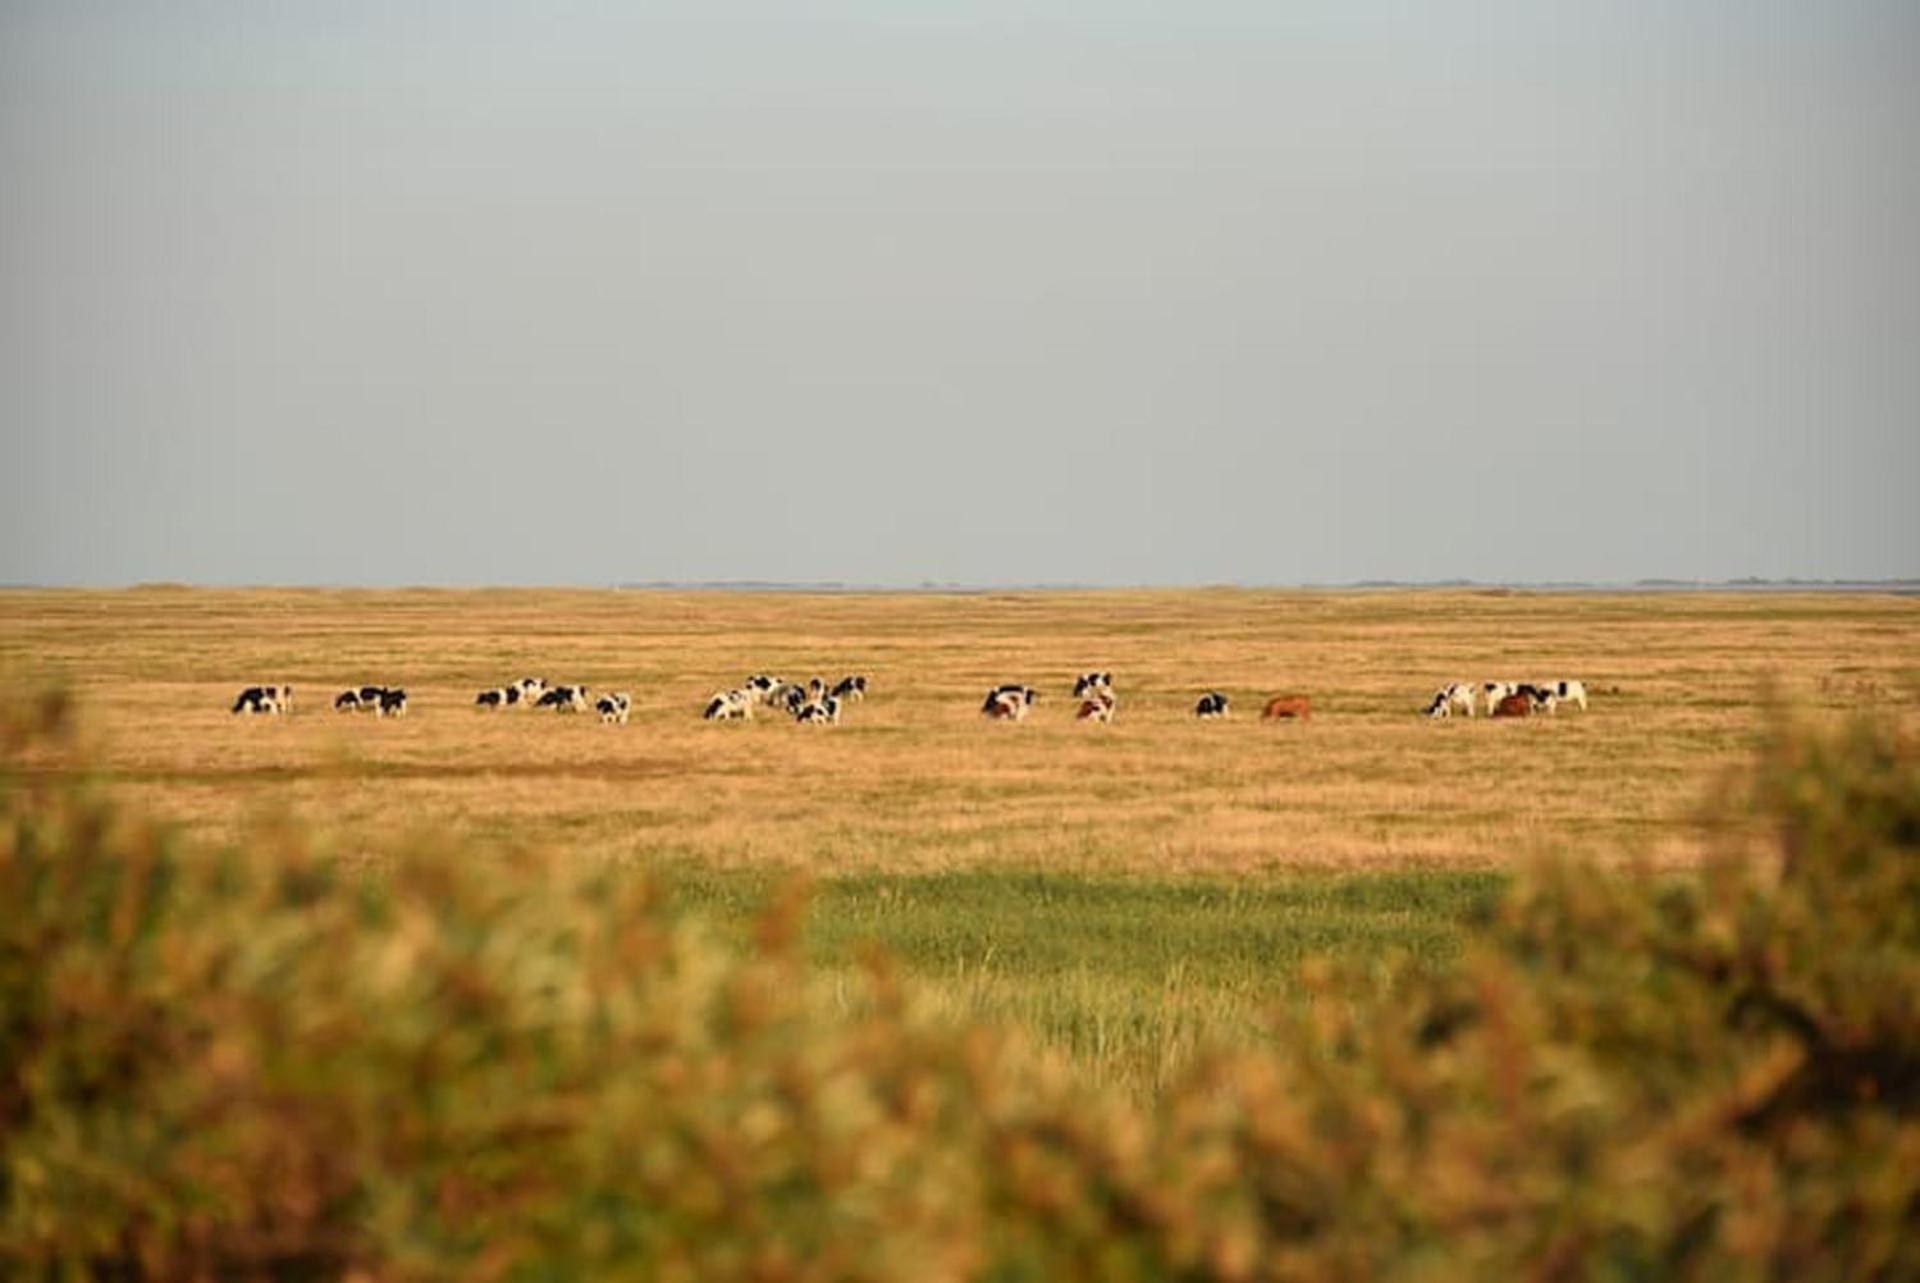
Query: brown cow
(1519, 704)
(1281, 706)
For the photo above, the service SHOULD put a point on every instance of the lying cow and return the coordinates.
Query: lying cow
(1009, 703)
(729, 706)
(273, 701)
(1097, 709)
(1211, 704)
(613, 709)
(1286, 707)
(1517, 704)
(850, 688)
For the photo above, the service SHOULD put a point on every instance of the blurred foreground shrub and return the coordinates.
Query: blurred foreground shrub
(264, 1063)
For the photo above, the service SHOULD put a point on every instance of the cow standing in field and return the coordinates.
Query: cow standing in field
(1098, 708)
(1212, 704)
(613, 709)
(850, 688)
(1287, 708)
(824, 711)
(359, 699)
(1090, 685)
(762, 688)
(729, 706)
(1454, 696)
(1009, 703)
(523, 692)
(273, 701)
(1565, 692)
(1497, 691)
(563, 699)
(390, 702)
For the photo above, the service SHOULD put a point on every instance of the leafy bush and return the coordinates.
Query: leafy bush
(271, 1062)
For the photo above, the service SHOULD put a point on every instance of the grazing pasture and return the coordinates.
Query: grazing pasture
(913, 780)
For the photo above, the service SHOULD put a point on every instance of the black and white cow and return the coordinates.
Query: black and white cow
(1497, 691)
(729, 706)
(1211, 704)
(761, 688)
(390, 702)
(359, 699)
(851, 688)
(524, 691)
(563, 699)
(1565, 692)
(1451, 697)
(1088, 685)
(613, 708)
(824, 711)
(269, 700)
(1009, 702)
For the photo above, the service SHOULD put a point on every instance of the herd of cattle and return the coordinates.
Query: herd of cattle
(815, 702)
(1507, 699)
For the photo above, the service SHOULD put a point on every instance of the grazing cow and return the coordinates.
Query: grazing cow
(793, 699)
(1564, 692)
(525, 691)
(613, 708)
(824, 711)
(1514, 705)
(1009, 703)
(1286, 707)
(1097, 709)
(729, 706)
(1089, 685)
(360, 699)
(1212, 704)
(1453, 696)
(269, 700)
(853, 688)
(390, 702)
(563, 699)
(761, 688)
(1497, 691)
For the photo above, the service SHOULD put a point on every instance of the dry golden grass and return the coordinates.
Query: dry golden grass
(914, 779)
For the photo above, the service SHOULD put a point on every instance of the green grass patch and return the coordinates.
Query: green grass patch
(1131, 977)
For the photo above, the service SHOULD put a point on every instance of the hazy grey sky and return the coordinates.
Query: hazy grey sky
(985, 292)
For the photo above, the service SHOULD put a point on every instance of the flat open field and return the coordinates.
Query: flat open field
(914, 780)
(1130, 893)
